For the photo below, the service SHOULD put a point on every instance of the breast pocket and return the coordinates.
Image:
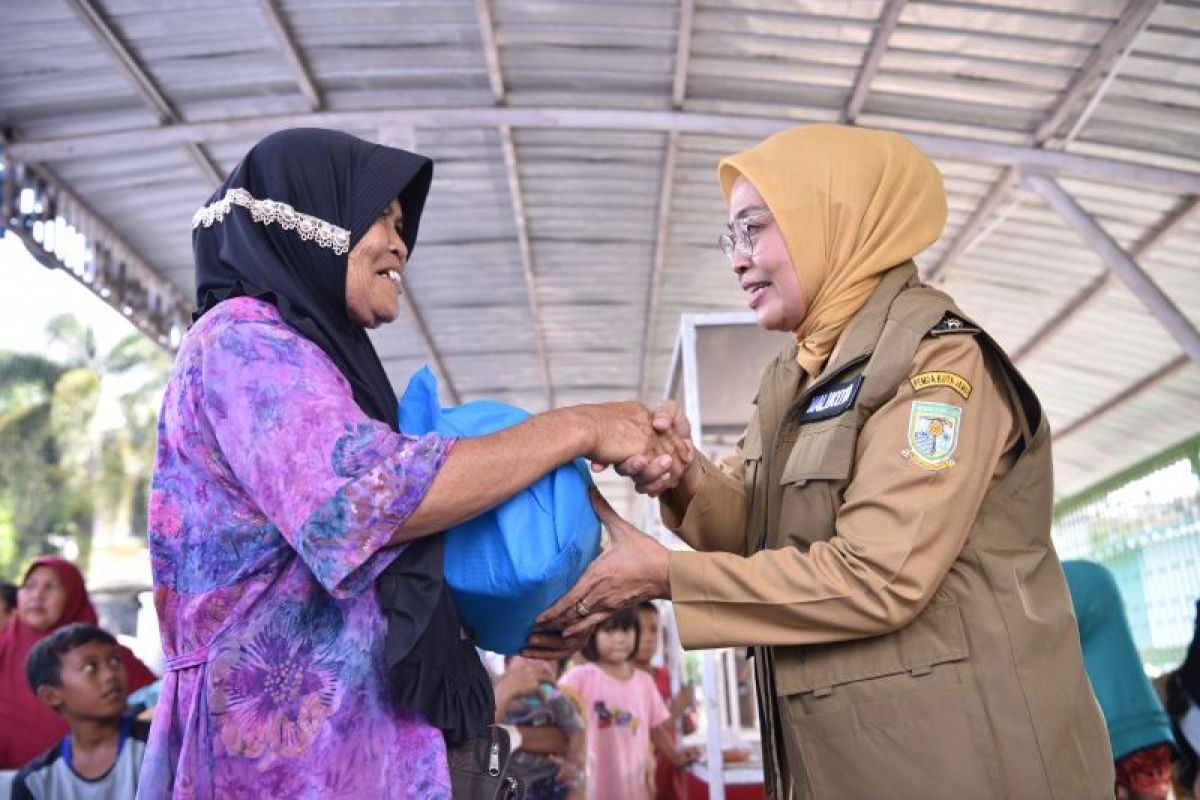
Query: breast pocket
(813, 480)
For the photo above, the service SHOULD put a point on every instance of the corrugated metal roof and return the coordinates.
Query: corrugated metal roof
(608, 268)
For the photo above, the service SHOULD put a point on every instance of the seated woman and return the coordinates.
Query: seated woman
(282, 491)
(51, 596)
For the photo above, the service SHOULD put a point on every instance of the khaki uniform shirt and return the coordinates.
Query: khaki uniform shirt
(900, 529)
(912, 629)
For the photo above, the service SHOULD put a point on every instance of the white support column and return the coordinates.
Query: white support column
(711, 676)
(1120, 262)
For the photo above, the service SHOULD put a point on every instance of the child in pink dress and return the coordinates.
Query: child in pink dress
(624, 710)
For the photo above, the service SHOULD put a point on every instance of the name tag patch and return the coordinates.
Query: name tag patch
(932, 435)
(952, 380)
(832, 401)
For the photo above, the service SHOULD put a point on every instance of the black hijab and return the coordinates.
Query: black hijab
(313, 194)
(344, 183)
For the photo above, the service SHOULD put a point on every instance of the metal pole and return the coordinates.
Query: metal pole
(1120, 262)
(712, 712)
(712, 700)
(8, 190)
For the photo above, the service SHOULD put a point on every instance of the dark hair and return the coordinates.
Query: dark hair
(8, 595)
(43, 665)
(624, 620)
(648, 605)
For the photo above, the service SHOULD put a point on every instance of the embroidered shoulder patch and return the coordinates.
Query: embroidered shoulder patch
(928, 380)
(832, 401)
(952, 324)
(932, 434)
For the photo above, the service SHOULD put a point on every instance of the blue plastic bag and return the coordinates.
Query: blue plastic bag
(509, 564)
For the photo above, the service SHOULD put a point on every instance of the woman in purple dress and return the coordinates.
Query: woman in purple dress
(282, 492)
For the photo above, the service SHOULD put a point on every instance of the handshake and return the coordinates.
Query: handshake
(651, 447)
(654, 449)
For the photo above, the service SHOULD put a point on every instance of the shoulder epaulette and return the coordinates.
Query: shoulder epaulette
(952, 324)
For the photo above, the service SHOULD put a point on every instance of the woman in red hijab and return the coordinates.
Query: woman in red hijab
(50, 596)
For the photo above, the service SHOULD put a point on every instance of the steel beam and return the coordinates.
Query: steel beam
(1124, 396)
(953, 148)
(491, 50)
(435, 354)
(1120, 262)
(95, 22)
(106, 264)
(666, 187)
(976, 225)
(1075, 305)
(1116, 39)
(91, 17)
(1174, 218)
(291, 51)
(203, 163)
(889, 19)
(407, 141)
(517, 198)
(8, 187)
(683, 52)
(1151, 239)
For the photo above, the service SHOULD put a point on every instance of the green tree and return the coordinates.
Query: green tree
(66, 473)
(39, 503)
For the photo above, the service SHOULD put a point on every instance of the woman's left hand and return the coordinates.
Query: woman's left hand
(551, 646)
(633, 568)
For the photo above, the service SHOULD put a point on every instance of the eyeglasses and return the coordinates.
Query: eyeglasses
(742, 237)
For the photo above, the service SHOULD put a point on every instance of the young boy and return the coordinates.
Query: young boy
(78, 671)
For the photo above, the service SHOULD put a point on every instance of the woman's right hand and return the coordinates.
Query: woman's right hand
(626, 433)
(653, 476)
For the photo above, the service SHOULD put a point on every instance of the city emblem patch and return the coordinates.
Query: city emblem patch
(932, 434)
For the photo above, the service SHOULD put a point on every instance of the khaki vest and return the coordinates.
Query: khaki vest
(984, 694)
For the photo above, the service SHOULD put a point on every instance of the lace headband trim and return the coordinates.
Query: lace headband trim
(310, 228)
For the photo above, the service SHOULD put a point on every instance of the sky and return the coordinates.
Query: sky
(31, 294)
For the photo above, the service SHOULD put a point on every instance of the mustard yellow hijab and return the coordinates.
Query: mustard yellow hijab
(851, 203)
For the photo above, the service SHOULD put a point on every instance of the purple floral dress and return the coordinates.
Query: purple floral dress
(271, 506)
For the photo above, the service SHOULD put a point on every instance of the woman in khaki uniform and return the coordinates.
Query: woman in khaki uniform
(882, 535)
